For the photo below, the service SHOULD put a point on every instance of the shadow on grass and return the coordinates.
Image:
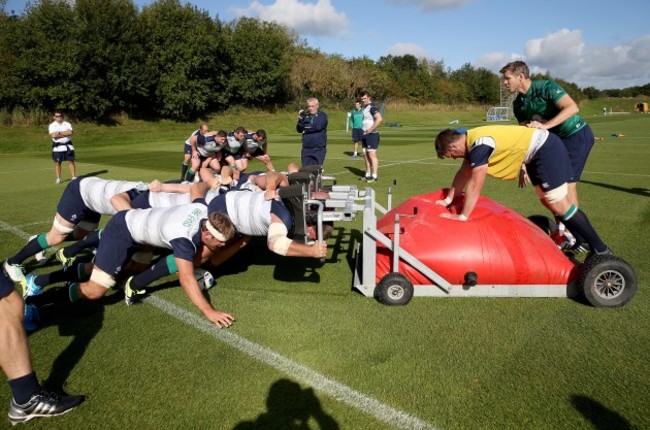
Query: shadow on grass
(288, 269)
(360, 173)
(644, 192)
(290, 407)
(81, 321)
(600, 417)
(89, 174)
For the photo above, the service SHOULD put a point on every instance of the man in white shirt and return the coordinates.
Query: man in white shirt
(62, 149)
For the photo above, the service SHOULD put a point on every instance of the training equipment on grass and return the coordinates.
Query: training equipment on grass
(204, 278)
(412, 251)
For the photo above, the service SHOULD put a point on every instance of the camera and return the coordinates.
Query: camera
(303, 113)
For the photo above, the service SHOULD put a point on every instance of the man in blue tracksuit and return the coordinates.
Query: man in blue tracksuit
(313, 126)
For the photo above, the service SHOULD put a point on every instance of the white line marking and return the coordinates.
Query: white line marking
(341, 392)
(15, 230)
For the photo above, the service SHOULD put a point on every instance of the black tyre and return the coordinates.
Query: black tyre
(394, 289)
(543, 222)
(608, 281)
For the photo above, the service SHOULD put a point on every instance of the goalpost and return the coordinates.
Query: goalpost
(498, 113)
(503, 112)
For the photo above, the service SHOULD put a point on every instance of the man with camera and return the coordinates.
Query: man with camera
(313, 126)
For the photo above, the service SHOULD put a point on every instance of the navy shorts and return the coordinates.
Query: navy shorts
(313, 156)
(578, 145)
(72, 207)
(115, 246)
(257, 153)
(550, 167)
(6, 284)
(370, 141)
(218, 204)
(187, 149)
(237, 156)
(139, 199)
(62, 156)
(357, 134)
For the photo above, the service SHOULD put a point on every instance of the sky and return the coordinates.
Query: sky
(604, 45)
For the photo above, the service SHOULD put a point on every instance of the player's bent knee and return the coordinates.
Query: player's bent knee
(556, 195)
(64, 230)
(102, 279)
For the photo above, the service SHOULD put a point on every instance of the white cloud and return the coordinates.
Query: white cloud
(565, 55)
(407, 48)
(561, 49)
(427, 5)
(313, 19)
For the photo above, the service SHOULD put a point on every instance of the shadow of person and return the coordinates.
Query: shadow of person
(356, 171)
(601, 417)
(291, 408)
(95, 173)
(643, 192)
(81, 321)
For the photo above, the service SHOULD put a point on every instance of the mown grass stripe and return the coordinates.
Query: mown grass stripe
(341, 392)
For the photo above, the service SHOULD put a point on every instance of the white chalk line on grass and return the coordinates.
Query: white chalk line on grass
(15, 230)
(341, 392)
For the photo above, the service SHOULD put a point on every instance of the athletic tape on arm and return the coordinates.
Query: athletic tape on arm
(277, 238)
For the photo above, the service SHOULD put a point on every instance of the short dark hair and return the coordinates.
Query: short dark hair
(516, 67)
(444, 140)
(261, 133)
(222, 133)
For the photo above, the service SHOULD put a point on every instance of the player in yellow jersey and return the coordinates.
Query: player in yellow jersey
(499, 151)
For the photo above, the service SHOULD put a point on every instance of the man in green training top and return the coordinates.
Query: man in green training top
(355, 121)
(546, 105)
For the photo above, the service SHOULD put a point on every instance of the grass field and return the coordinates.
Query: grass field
(307, 351)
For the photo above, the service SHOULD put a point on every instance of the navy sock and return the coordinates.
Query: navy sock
(190, 175)
(24, 387)
(158, 270)
(578, 224)
(577, 235)
(74, 273)
(33, 247)
(91, 240)
(50, 278)
(56, 295)
(184, 170)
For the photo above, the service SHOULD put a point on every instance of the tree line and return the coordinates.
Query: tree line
(94, 58)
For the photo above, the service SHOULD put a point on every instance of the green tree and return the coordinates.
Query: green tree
(105, 55)
(591, 93)
(41, 56)
(184, 60)
(9, 56)
(410, 78)
(365, 75)
(262, 54)
(480, 85)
